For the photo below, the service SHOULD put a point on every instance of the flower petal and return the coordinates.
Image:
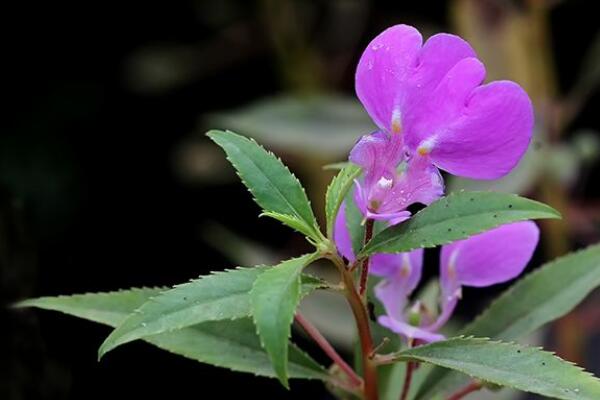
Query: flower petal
(362, 202)
(378, 154)
(444, 105)
(490, 136)
(341, 234)
(440, 54)
(409, 331)
(384, 66)
(491, 257)
(421, 182)
(402, 274)
(397, 265)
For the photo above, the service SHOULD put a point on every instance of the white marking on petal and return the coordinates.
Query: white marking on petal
(452, 265)
(384, 183)
(396, 121)
(426, 146)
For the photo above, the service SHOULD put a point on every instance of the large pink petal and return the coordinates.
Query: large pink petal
(444, 105)
(387, 62)
(490, 135)
(491, 257)
(395, 76)
(439, 55)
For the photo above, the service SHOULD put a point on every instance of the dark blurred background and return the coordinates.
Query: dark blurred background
(107, 182)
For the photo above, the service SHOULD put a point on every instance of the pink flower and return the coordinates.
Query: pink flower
(432, 110)
(482, 260)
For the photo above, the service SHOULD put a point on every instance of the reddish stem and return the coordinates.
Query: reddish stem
(361, 317)
(314, 333)
(410, 368)
(365, 266)
(470, 388)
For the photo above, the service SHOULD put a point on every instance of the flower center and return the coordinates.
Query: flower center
(379, 192)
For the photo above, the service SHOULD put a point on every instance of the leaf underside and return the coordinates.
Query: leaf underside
(273, 186)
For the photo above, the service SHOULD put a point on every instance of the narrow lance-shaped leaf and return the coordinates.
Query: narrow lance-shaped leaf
(456, 217)
(227, 344)
(506, 364)
(274, 298)
(215, 297)
(337, 190)
(338, 166)
(274, 187)
(542, 296)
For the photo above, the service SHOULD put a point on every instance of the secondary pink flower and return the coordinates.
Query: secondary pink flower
(486, 259)
(432, 95)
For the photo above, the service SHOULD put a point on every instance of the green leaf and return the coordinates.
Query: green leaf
(227, 344)
(525, 368)
(215, 297)
(274, 187)
(337, 190)
(456, 217)
(542, 296)
(289, 220)
(274, 298)
(338, 166)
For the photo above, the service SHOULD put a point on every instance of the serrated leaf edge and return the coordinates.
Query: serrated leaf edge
(157, 299)
(25, 304)
(316, 231)
(310, 258)
(510, 344)
(350, 172)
